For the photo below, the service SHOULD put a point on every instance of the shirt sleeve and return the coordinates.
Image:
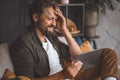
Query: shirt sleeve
(22, 59)
(64, 51)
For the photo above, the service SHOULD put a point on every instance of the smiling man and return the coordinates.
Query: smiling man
(39, 54)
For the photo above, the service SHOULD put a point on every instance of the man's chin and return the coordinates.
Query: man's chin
(49, 33)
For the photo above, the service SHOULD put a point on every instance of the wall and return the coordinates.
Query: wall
(109, 31)
(13, 19)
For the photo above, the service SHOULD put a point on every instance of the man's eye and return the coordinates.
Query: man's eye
(50, 18)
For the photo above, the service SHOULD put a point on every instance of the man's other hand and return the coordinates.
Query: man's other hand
(73, 70)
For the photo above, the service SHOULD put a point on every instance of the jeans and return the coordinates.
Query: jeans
(106, 66)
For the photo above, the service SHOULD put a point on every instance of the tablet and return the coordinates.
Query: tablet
(89, 59)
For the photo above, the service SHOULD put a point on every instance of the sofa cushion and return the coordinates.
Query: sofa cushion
(86, 47)
(5, 61)
(8, 75)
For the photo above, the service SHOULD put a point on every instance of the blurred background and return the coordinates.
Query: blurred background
(14, 20)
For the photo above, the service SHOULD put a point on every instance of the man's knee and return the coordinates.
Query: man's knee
(109, 63)
(109, 53)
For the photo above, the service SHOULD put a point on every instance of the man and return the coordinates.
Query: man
(40, 55)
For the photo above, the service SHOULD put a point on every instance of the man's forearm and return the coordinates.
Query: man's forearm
(73, 46)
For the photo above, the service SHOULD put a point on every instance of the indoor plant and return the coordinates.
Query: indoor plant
(92, 10)
(100, 5)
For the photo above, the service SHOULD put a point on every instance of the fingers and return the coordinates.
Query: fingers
(58, 10)
(59, 13)
(74, 68)
(77, 65)
(60, 20)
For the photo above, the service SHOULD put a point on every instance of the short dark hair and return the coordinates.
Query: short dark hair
(39, 5)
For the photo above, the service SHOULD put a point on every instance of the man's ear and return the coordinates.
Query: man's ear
(35, 17)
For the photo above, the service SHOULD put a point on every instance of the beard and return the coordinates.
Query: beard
(44, 29)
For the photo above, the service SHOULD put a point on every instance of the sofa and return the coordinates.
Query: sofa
(5, 60)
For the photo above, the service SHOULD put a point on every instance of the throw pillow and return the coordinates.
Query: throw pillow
(86, 47)
(9, 75)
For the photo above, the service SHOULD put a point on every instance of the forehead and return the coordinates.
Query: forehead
(49, 12)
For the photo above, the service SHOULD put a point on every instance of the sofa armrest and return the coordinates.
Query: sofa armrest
(5, 60)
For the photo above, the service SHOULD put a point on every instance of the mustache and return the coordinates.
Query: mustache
(51, 26)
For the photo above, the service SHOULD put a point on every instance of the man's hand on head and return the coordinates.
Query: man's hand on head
(61, 21)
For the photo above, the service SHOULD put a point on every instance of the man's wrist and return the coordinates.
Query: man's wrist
(66, 74)
(64, 31)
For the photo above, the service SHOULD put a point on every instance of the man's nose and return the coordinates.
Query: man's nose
(54, 22)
